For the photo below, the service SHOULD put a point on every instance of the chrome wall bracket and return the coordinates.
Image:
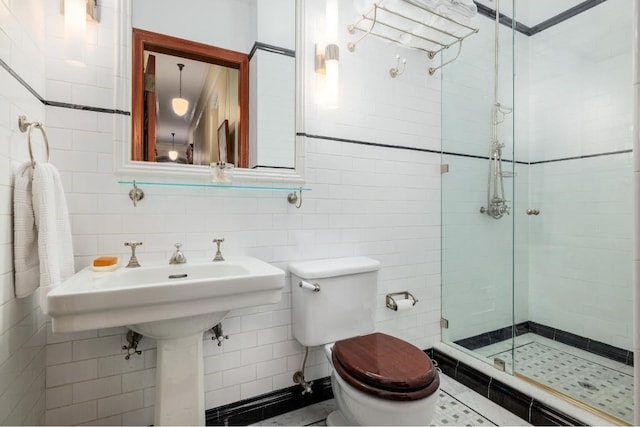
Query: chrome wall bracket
(136, 194)
(294, 199)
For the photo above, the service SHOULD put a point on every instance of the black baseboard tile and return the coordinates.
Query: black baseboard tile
(475, 380)
(253, 410)
(513, 400)
(577, 341)
(542, 330)
(611, 352)
(543, 415)
(572, 339)
(510, 399)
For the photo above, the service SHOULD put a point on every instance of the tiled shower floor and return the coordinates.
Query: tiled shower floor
(457, 406)
(599, 382)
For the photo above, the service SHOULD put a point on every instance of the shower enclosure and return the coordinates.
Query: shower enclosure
(537, 202)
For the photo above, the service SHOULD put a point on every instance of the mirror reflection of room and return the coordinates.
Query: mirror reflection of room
(208, 95)
(183, 92)
(256, 40)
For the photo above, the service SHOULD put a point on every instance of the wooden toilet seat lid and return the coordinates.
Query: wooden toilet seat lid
(384, 365)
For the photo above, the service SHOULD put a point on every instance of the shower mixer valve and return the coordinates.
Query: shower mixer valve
(497, 208)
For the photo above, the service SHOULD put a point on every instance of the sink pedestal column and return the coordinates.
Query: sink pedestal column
(180, 381)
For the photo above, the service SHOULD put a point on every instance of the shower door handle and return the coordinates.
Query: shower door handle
(533, 211)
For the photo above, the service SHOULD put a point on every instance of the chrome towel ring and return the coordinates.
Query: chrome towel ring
(25, 126)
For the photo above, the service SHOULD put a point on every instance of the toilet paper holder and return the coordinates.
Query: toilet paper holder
(391, 299)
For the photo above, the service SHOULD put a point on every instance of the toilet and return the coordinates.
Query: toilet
(377, 379)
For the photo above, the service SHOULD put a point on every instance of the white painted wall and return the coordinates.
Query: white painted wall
(365, 200)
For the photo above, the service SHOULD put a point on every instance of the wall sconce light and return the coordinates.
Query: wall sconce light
(90, 9)
(173, 154)
(76, 14)
(327, 58)
(180, 105)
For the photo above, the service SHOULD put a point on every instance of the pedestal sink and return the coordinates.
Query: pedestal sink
(174, 304)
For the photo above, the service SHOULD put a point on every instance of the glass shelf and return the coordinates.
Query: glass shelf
(212, 185)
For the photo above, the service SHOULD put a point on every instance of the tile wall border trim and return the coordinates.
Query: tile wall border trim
(272, 49)
(278, 402)
(451, 153)
(256, 46)
(27, 86)
(548, 23)
(585, 156)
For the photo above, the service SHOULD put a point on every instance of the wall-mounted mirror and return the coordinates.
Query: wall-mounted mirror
(184, 52)
(184, 93)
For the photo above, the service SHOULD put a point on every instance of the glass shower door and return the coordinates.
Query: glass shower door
(478, 196)
(573, 250)
(545, 289)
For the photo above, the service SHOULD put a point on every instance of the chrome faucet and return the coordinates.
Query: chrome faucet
(178, 257)
(133, 261)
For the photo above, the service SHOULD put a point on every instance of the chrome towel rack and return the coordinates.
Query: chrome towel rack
(418, 27)
(28, 127)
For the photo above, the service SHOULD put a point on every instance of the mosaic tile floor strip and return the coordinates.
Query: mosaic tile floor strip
(451, 412)
(603, 388)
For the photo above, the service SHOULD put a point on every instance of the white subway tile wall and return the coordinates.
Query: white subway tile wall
(365, 200)
(22, 325)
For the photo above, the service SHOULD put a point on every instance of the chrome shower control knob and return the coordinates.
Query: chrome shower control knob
(533, 211)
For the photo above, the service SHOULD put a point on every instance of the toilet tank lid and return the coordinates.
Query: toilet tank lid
(323, 268)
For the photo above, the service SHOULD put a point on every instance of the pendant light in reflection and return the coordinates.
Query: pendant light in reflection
(173, 154)
(180, 105)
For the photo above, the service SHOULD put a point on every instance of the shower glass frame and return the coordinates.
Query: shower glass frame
(474, 278)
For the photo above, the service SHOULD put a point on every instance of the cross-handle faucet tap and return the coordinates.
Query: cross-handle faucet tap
(218, 256)
(133, 261)
(178, 257)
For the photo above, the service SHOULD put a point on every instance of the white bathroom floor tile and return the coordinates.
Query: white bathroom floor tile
(457, 405)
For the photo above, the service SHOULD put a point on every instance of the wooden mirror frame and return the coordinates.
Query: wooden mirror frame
(161, 43)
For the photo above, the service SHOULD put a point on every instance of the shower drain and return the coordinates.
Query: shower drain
(587, 386)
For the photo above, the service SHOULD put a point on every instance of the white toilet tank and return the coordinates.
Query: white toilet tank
(345, 304)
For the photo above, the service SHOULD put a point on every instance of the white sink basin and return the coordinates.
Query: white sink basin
(131, 296)
(174, 304)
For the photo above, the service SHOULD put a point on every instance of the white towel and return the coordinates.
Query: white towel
(52, 232)
(25, 236)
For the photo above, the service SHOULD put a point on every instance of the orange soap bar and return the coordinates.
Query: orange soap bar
(105, 261)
